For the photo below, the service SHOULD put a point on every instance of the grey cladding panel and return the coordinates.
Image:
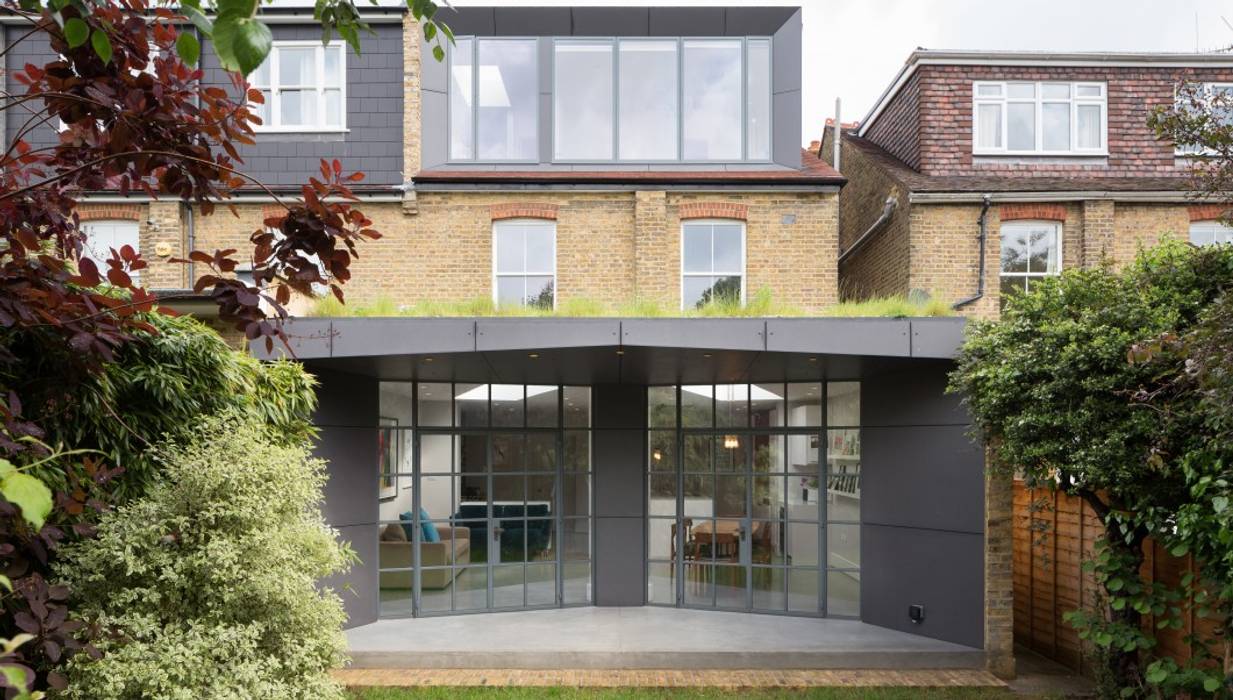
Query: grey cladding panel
(687, 21)
(786, 149)
(345, 399)
(940, 337)
(786, 71)
(620, 570)
(717, 334)
(469, 20)
(358, 337)
(944, 571)
(435, 114)
(839, 336)
(512, 334)
(923, 477)
(358, 586)
(618, 406)
(618, 461)
(532, 21)
(307, 338)
(351, 486)
(759, 21)
(914, 396)
(611, 21)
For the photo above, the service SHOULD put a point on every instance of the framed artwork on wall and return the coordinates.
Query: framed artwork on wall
(387, 456)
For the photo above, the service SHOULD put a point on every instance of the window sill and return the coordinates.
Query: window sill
(264, 131)
(1041, 154)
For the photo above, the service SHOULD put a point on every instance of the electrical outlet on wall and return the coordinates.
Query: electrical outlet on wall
(916, 613)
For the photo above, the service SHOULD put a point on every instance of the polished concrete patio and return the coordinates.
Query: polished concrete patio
(646, 638)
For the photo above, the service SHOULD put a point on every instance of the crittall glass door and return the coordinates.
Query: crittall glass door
(498, 503)
(738, 514)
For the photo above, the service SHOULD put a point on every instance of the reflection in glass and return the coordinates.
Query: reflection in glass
(732, 405)
(843, 593)
(843, 546)
(696, 406)
(843, 404)
(508, 96)
(542, 406)
(462, 143)
(769, 589)
(803, 590)
(766, 405)
(582, 118)
(577, 450)
(661, 584)
(648, 99)
(712, 100)
(434, 405)
(758, 113)
(471, 405)
(577, 580)
(661, 406)
(805, 404)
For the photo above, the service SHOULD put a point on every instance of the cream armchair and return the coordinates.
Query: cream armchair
(453, 547)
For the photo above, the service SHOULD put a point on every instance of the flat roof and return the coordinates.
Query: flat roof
(614, 350)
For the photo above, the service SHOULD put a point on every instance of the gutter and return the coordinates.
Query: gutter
(887, 210)
(1057, 196)
(982, 223)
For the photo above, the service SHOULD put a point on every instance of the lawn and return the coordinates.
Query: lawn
(521, 693)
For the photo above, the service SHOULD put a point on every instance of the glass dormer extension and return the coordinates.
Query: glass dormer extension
(610, 100)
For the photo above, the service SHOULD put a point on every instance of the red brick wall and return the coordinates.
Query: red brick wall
(942, 97)
(897, 128)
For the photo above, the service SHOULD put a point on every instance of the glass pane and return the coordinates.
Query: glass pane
(1044, 250)
(1021, 122)
(1088, 129)
(699, 496)
(767, 405)
(697, 457)
(472, 456)
(732, 405)
(394, 404)
(988, 90)
(661, 406)
(577, 583)
(1201, 235)
(802, 545)
(648, 101)
(758, 112)
(507, 586)
(732, 453)
(508, 99)
(805, 404)
(297, 66)
(730, 500)
(461, 141)
(1015, 248)
(728, 248)
(712, 109)
(333, 108)
(542, 403)
(803, 590)
(1055, 120)
(769, 589)
(768, 497)
(396, 594)
(1021, 90)
(507, 490)
(804, 497)
(768, 453)
(437, 499)
(511, 247)
(695, 291)
(1011, 285)
(540, 291)
(989, 126)
(696, 406)
(436, 600)
(843, 403)
(576, 498)
(261, 76)
(661, 583)
(541, 253)
(541, 584)
(843, 546)
(699, 584)
(511, 291)
(696, 253)
(541, 490)
(577, 450)
(766, 541)
(576, 539)
(803, 455)
(333, 66)
(844, 479)
(541, 538)
(582, 121)
(297, 107)
(730, 587)
(662, 451)
(577, 407)
(436, 454)
(1089, 90)
(661, 537)
(661, 493)
(843, 593)
(1055, 90)
(507, 406)
(471, 588)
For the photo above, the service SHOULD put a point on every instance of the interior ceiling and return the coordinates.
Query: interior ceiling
(613, 365)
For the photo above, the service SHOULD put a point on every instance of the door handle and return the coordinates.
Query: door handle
(741, 531)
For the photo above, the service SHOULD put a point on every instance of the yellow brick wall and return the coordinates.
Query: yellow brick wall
(611, 246)
(880, 267)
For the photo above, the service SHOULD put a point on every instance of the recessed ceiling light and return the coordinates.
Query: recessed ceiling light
(813, 359)
(533, 355)
(620, 352)
(427, 359)
(706, 354)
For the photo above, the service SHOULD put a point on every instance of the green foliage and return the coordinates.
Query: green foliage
(206, 585)
(26, 492)
(760, 303)
(162, 383)
(1060, 392)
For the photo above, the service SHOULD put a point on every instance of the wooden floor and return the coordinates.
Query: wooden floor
(409, 678)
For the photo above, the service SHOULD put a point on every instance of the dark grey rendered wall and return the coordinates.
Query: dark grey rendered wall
(346, 417)
(618, 453)
(781, 23)
(372, 144)
(922, 507)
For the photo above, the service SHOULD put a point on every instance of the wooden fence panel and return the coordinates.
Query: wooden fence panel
(1054, 534)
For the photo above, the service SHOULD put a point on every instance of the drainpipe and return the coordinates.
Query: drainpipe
(191, 235)
(838, 133)
(887, 209)
(984, 234)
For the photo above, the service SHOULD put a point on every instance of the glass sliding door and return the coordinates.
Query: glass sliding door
(738, 517)
(500, 513)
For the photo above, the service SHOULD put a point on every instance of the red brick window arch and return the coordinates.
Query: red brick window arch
(523, 210)
(96, 212)
(714, 210)
(1038, 212)
(1208, 224)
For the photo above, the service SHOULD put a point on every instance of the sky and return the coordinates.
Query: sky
(854, 48)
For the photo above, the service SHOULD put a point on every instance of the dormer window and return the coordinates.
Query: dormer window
(1039, 118)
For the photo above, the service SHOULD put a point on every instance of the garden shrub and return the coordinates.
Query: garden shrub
(206, 585)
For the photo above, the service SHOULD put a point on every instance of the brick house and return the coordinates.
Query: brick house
(680, 466)
(1052, 152)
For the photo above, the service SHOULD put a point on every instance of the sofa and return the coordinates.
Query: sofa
(396, 552)
(510, 519)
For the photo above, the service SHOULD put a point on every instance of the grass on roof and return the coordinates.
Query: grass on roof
(829, 693)
(759, 304)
